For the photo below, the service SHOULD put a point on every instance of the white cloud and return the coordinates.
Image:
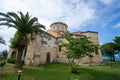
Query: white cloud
(15, 5)
(6, 34)
(107, 2)
(117, 25)
(73, 12)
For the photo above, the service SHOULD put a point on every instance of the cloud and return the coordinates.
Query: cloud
(79, 15)
(107, 2)
(117, 25)
(6, 34)
(15, 5)
(75, 13)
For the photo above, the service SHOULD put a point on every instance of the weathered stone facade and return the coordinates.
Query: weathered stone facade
(43, 47)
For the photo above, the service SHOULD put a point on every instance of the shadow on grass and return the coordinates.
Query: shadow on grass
(58, 72)
(91, 74)
(61, 72)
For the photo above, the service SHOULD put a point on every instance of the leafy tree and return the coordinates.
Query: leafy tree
(4, 54)
(77, 48)
(117, 39)
(3, 57)
(108, 49)
(2, 41)
(117, 44)
(14, 41)
(24, 24)
(112, 48)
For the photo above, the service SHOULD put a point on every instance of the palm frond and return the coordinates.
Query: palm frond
(7, 24)
(2, 40)
(3, 19)
(3, 14)
(32, 21)
(14, 15)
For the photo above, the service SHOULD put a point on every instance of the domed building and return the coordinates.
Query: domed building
(58, 26)
(57, 29)
(43, 47)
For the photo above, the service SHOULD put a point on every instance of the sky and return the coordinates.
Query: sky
(102, 16)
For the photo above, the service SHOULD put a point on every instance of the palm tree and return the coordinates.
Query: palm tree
(24, 24)
(2, 41)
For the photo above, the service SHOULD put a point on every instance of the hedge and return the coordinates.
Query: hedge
(11, 60)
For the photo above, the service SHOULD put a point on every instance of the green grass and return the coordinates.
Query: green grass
(61, 72)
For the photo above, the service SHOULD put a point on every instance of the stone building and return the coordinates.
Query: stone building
(43, 47)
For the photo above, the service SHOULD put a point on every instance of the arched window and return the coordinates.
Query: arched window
(96, 51)
(48, 58)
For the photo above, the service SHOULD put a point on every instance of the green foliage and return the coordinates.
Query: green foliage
(2, 64)
(24, 24)
(4, 54)
(11, 60)
(77, 48)
(14, 41)
(60, 72)
(2, 61)
(108, 49)
(117, 44)
(117, 39)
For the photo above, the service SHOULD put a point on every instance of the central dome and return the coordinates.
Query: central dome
(58, 26)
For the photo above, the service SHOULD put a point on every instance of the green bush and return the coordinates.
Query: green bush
(11, 60)
(2, 63)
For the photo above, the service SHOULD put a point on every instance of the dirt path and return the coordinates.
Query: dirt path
(8, 68)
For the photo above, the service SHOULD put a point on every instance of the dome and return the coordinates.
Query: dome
(58, 26)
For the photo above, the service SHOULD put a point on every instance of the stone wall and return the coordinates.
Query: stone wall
(39, 47)
(44, 47)
(46, 44)
(97, 57)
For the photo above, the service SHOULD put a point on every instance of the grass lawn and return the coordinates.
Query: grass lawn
(61, 72)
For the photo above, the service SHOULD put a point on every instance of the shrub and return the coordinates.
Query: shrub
(11, 60)
(2, 63)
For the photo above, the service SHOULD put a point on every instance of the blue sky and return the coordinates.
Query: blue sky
(102, 16)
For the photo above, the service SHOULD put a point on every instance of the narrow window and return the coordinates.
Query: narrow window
(59, 49)
(96, 51)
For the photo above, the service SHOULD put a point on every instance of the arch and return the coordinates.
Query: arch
(13, 54)
(48, 57)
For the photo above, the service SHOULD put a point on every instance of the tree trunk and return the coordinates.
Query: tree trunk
(73, 66)
(21, 46)
(18, 63)
(113, 57)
